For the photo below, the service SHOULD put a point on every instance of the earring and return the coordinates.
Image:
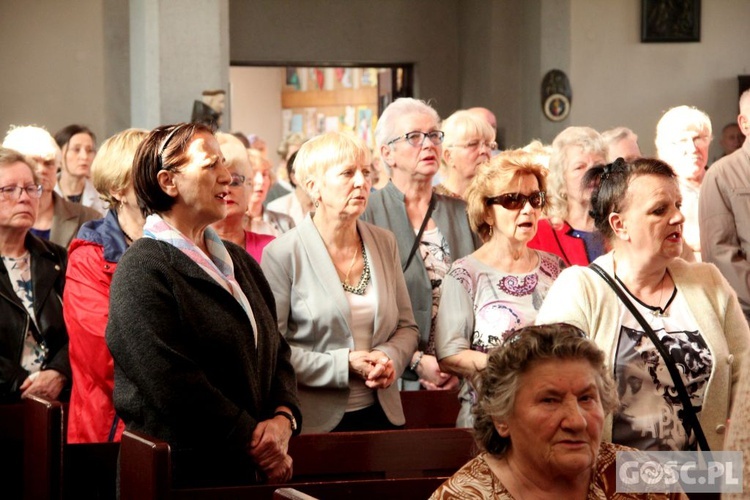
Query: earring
(491, 229)
(317, 203)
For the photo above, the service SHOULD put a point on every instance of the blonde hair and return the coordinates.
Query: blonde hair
(33, 141)
(325, 151)
(235, 153)
(111, 170)
(591, 142)
(493, 178)
(675, 121)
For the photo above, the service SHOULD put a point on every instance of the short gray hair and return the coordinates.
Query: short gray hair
(676, 120)
(385, 130)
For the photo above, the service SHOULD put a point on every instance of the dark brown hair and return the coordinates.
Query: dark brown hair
(164, 148)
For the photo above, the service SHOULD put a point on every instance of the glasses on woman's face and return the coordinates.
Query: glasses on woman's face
(14, 192)
(417, 138)
(474, 145)
(237, 180)
(516, 201)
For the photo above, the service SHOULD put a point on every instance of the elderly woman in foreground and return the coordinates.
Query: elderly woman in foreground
(340, 296)
(543, 399)
(501, 286)
(192, 329)
(642, 291)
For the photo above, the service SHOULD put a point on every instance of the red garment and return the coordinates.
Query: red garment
(570, 249)
(254, 244)
(86, 310)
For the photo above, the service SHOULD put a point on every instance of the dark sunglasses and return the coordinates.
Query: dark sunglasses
(516, 201)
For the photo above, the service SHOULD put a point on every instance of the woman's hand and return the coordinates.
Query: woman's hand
(268, 448)
(432, 378)
(46, 384)
(374, 367)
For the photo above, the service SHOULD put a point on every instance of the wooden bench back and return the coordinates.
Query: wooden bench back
(11, 450)
(430, 409)
(335, 465)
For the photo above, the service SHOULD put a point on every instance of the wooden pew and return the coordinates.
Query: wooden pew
(11, 450)
(54, 469)
(336, 465)
(430, 409)
(43, 442)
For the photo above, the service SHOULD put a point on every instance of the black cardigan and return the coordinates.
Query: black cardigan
(186, 366)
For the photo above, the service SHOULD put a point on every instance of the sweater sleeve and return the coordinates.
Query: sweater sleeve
(566, 301)
(155, 365)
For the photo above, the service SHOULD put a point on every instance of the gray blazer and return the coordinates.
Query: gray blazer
(386, 209)
(314, 317)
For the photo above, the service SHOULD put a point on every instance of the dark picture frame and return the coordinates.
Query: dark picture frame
(668, 21)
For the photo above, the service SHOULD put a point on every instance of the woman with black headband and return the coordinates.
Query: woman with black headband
(673, 331)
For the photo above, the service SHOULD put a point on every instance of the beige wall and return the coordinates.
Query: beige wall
(255, 101)
(53, 64)
(70, 61)
(617, 80)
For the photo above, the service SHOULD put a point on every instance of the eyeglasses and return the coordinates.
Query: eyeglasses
(417, 138)
(516, 201)
(237, 180)
(14, 192)
(492, 145)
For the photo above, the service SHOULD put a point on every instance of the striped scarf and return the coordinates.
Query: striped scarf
(217, 264)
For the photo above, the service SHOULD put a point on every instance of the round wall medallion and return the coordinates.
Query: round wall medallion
(556, 107)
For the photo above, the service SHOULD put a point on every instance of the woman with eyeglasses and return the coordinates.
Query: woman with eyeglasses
(33, 340)
(231, 228)
(192, 326)
(469, 142)
(569, 230)
(432, 230)
(94, 256)
(500, 287)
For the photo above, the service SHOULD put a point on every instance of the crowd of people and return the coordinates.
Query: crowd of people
(170, 282)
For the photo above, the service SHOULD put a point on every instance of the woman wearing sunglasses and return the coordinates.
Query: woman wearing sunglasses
(501, 286)
(231, 227)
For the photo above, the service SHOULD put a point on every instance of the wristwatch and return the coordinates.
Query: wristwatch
(288, 416)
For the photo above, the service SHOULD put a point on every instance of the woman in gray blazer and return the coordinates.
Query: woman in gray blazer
(341, 298)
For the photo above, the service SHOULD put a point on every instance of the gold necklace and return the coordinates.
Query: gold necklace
(351, 265)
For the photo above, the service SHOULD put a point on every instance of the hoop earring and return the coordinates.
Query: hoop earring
(316, 204)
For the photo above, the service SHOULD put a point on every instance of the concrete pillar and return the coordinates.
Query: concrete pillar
(178, 48)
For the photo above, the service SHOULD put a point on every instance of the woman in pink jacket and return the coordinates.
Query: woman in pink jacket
(93, 258)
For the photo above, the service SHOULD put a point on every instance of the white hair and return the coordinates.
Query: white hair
(675, 122)
(385, 130)
(32, 141)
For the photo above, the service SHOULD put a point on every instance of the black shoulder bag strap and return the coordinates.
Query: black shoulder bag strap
(687, 406)
(421, 231)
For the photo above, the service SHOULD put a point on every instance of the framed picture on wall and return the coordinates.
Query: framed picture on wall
(670, 21)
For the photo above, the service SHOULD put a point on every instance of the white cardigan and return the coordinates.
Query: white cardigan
(582, 298)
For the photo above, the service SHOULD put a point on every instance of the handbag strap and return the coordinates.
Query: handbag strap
(687, 406)
(418, 238)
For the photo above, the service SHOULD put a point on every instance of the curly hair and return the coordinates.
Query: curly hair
(590, 141)
(499, 382)
(495, 177)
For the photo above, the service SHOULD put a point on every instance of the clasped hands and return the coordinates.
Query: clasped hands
(268, 448)
(375, 368)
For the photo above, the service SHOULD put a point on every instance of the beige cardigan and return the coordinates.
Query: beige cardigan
(580, 297)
